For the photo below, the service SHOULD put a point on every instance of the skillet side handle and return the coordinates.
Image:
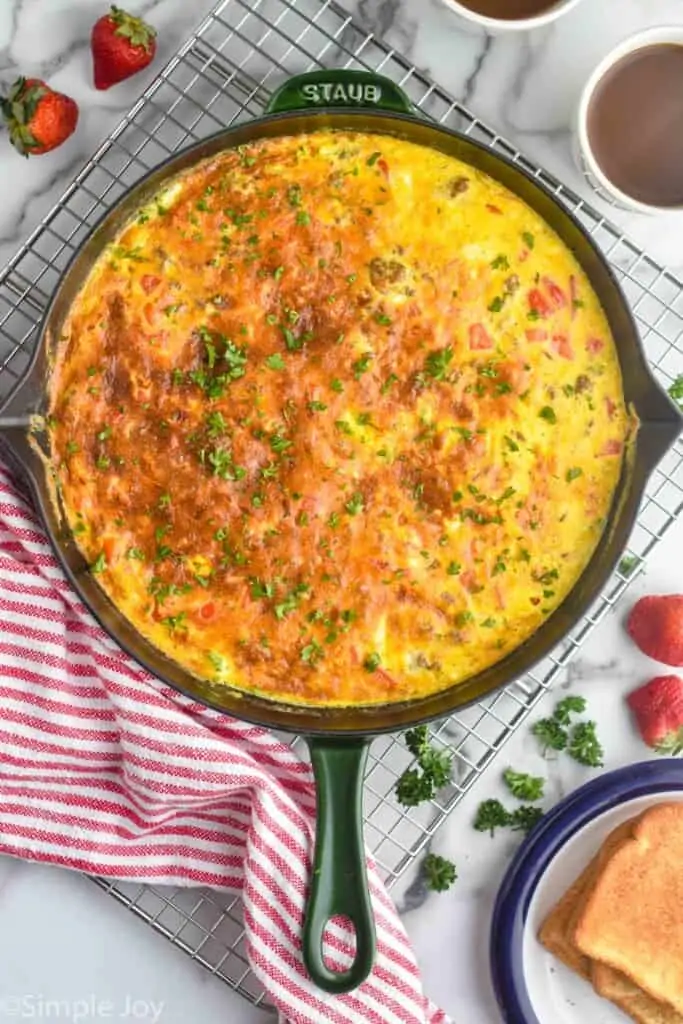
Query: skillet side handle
(339, 88)
(339, 884)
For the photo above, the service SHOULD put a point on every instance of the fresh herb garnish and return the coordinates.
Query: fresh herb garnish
(355, 504)
(440, 873)
(437, 363)
(275, 362)
(433, 771)
(567, 707)
(361, 366)
(628, 565)
(523, 786)
(528, 239)
(548, 413)
(372, 662)
(676, 390)
(523, 819)
(100, 563)
(491, 815)
(584, 745)
(573, 474)
(550, 732)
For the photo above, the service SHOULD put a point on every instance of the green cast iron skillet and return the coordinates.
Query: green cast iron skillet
(339, 737)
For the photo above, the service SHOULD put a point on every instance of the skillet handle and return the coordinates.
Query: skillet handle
(339, 88)
(339, 884)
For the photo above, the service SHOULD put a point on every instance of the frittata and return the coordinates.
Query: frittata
(337, 419)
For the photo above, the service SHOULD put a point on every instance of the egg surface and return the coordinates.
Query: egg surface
(337, 419)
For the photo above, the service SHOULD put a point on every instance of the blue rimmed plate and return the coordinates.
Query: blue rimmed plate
(531, 985)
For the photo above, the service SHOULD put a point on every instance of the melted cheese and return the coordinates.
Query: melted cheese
(337, 420)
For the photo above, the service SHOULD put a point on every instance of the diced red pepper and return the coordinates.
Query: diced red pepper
(594, 345)
(149, 282)
(611, 407)
(384, 167)
(381, 673)
(536, 334)
(538, 302)
(468, 580)
(557, 296)
(480, 338)
(612, 448)
(208, 610)
(493, 209)
(562, 346)
(109, 549)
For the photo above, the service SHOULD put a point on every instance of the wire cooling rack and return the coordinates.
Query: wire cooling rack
(225, 74)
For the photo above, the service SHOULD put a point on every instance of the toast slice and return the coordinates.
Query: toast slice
(620, 990)
(632, 917)
(556, 931)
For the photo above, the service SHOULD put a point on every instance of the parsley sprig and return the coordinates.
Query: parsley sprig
(559, 732)
(440, 873)
(432, 773)
(492, 815)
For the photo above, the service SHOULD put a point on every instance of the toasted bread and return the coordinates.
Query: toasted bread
(556, 931)
(621, 991)
(632, 917)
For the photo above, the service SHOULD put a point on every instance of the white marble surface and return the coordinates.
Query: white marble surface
(63, 939)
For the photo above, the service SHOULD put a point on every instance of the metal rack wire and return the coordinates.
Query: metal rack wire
(224, 74)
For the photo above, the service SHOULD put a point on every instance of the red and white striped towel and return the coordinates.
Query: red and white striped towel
(105, 770)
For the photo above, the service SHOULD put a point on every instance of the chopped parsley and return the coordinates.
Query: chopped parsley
(316, 406)
(500, 263)
(433, 771)
(312, 653)
(437, 363)
(547, 413)
(491, 815)
(676, 390)
(573, 474)
(100, 564)
(496, 305)
(440, 873)
(628, 565)
(372, 662)
(275, 362)
(355, 504)
(528, 239)
(585, 747)
(567, 707)
(523, 786)
(361, 366)
(279, 443)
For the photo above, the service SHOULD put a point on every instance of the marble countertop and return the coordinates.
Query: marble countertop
(62, 938)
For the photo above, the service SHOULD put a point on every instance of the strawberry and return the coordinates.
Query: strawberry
(658, 709)
(39, 119)
(121, 46)
(656, 625)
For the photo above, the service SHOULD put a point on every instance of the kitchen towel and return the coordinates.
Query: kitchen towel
(104, 769)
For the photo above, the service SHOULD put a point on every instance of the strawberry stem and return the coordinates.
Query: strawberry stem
(135, 30)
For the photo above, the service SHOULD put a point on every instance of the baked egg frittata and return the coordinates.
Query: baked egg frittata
(337, 419)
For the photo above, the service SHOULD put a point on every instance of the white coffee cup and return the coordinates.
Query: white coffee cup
(495, 25)
(583, 153)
